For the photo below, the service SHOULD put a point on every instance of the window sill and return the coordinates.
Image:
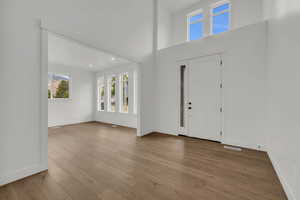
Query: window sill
(119, 113)
(59, 100)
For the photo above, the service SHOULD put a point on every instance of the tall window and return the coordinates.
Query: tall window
(195, 21)
(101, 93)
(58, 86)
(135, 89)
(220, 17)
(124, 95)
(112, 94)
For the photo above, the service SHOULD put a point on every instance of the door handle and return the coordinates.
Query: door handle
(190, 108)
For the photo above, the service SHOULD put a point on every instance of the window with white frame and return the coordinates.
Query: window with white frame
(195, 25)
(111, 84)
(101, 94)
(58, 86)
(220, 17)
(124, 92)
(117, 92)
(135, 89)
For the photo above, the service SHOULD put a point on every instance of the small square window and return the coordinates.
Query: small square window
(196, 31)
(220, 18)
(221, 23)
(195, 27)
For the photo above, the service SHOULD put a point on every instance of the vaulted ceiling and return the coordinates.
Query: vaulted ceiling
(121, 27)
(64, 51)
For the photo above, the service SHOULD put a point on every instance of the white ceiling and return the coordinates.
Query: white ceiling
(176, 5)
(123, 27)
(71, 53)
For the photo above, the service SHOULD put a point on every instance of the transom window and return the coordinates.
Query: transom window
(220, 17)
(195, 21)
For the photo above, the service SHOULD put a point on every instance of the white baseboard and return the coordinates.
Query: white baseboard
(147, 132)
(159, 131)
(21, 173)
(167, 132)
(243, 145)
(285, 185)
(117, 123)
(67, 124)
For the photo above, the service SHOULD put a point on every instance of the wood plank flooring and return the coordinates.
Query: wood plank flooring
(94, 161)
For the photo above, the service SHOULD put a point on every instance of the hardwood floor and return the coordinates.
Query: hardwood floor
(94, 161)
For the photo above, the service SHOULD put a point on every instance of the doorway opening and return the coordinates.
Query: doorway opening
(82, 84)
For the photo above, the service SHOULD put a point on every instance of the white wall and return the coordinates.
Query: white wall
(79, 108)
(147, 96)
(146, 83)
(244, 12)
(19, 66)
(123, 119)
(20, 136)
(244, 83)
(283, 87)
(164, 27)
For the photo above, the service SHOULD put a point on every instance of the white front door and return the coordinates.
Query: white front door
(204, 102)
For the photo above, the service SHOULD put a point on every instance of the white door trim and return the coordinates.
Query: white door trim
(44, 99)
(185, 62)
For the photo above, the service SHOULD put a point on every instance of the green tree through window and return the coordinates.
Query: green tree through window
(62, 90)
(113, 94)
(113, 86)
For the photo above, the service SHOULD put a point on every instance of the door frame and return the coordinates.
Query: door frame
(220, 57)
(44, 98)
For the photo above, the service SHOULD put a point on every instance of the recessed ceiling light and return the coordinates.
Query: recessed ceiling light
(113, 58)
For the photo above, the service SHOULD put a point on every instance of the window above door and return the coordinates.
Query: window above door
(195, 25)
(219, 20)
(220, 17)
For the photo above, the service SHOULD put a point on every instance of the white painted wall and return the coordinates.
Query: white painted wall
(147, 96)
(164, 26)
(19, 66)
(20, 136)
(123, 119)
(283, 88)
(79, 108)
(244, 83)
(244, 12)
(146, 83)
